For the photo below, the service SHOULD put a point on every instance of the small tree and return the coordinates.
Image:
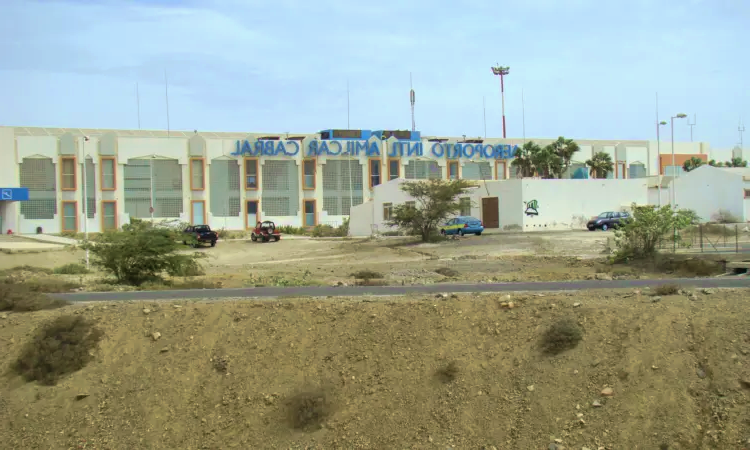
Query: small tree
(434, 202)
(640, 237)
(141, 252)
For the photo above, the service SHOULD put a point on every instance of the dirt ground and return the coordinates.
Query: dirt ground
(225, 374)
(488, 258)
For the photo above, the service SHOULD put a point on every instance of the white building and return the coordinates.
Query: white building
(232, 180)
(526, 204)
(708, 190)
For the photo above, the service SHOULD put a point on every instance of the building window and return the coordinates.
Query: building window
(411, 204)
(387, 211)
(224, 176)
(90, 189)
(308, 174)
(251, 174)
(109, 215)
(197, 174)
(476, 171)
(394, 169)
(70, 216)
(637, 170)
(153, 183)
(500, 170)
(620, 170)
(39, 177)
(374, 172)
(465, 206)
(453, 170)
(68, 173)
(672, 171)
(747, 193)
(422, 170)
(107, 173)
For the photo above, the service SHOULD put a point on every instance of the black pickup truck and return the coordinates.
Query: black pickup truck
(200, 234)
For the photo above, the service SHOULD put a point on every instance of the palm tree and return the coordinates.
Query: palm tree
(564, 149)
(600, 165)
(547, 163)
(692, 164)
(523, 161)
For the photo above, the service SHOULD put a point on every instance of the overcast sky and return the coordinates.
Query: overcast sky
(588, 69)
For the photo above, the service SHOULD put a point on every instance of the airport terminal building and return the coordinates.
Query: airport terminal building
(62, 177)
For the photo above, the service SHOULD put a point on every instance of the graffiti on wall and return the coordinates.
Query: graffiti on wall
(532, 208)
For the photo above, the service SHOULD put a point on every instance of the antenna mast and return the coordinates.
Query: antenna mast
(412, 100)
(691, 125)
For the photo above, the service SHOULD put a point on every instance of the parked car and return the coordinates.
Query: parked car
(265, 231)
(607, 220)
(462, 225)
(201, 234)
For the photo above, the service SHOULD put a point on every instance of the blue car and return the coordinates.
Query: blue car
(462, 225)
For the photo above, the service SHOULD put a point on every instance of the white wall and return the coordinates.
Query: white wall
(707, 190)
(566, 204)
(509, 197)
(361, 219)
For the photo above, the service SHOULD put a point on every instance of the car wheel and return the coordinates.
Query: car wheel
(253, 237)
(605, 227)
(479, 234)
(460, 232)
(276, 239)
(442, 232)
(213, 243)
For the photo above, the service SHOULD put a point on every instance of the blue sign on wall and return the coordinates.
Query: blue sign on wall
(14, 194)
(471, 151)
(336, 148)
(266, 148)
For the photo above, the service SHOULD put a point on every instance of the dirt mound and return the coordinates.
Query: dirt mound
(469, 372)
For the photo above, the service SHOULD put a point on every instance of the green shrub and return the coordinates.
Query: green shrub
(564, 334)
(71, 269)
(366, 275)
(141, 252)
(60, 347)
(641, 236)
(19, 297)
(25, 268)
(288, 229)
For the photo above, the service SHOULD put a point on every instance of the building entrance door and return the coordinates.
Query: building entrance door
(491, 212)
(252, 216)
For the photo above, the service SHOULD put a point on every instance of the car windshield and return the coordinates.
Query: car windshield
(604, 215)
(469, 219)
(201, 228)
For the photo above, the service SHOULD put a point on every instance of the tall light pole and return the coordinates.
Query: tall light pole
(85, 197)
(691, 125)
(674, 171)
(501, 71)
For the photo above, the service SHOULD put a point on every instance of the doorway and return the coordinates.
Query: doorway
(252, 214)
(198, 208)
(310, 216)
(491, 212)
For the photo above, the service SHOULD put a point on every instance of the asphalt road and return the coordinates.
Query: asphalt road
(354, 291)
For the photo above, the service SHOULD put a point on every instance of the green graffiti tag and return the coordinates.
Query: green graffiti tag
(532, 208)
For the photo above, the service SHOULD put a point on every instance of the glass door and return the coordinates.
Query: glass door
(310, 213)
(251, 208)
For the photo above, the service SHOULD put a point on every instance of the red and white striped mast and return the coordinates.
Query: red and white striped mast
(501, 71)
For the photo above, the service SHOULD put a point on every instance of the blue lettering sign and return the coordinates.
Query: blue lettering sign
(361, 146)
(374, 150)
(296, 148)
(438, 150)
(266, 148)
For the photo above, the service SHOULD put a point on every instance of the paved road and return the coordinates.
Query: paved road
(354, 291)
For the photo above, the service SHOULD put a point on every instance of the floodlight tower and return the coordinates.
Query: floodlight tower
(501, 71)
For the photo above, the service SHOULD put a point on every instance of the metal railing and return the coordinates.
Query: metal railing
(709, 238)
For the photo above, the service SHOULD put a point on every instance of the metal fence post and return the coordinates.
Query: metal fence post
(736, 238)
(700, 233)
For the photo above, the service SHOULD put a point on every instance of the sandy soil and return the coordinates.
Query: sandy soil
(490, 258)
(679, 369)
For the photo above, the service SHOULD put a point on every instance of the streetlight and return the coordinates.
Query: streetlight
(501, 71)
(85, 197)
(674, 197)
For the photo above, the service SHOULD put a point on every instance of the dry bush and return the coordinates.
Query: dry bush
(308, 410)
(19, 298)
(666, 289)
(60, 347)
(366, 275)
(71, 269)
(447, 272)
(448, 373)
(691, 267)
(564, 334)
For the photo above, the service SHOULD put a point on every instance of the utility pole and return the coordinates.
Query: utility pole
(412, 100)
(484, 117)
(741, 129)
(501, 71)
(691, 125)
